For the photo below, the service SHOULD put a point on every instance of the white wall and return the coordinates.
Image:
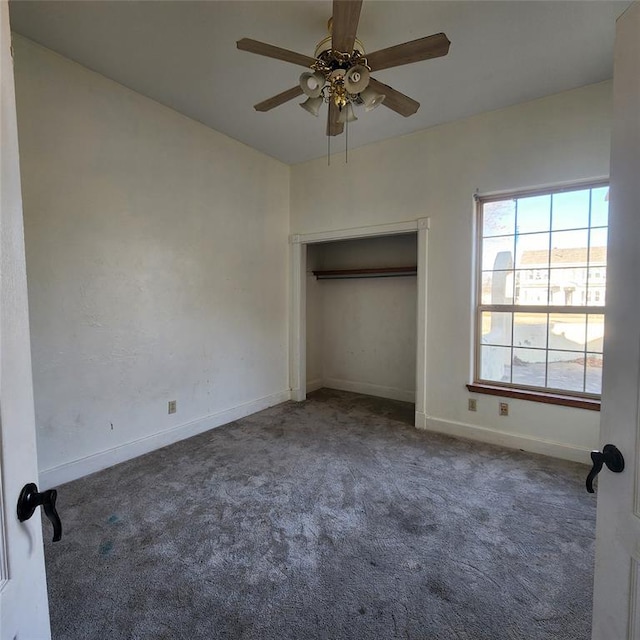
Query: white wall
(157, 268)
(434, 173)
(361, 333)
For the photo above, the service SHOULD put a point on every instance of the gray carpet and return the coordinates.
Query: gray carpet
(331, 519)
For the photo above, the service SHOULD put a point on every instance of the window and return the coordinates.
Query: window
(541, 288)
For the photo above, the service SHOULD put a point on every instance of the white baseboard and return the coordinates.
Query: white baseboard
(104, 459)
(314, 385)
(509, 440)
(370, 389)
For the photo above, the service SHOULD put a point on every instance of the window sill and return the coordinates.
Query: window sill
(578, 402)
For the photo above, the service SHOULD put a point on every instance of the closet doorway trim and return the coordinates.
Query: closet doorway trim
(298, 314)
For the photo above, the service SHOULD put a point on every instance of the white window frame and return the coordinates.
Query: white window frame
(515, 389)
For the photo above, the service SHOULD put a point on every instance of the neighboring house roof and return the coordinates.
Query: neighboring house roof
(597, 256)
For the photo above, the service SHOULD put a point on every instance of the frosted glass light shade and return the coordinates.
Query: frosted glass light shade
(356, 79)
(312, 83)
(371, 99)
(312, 105)
(347, 114)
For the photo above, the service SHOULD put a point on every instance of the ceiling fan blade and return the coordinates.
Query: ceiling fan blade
(433, 46)
(334, 128)
(394, 100)
(346, 15)
(271, 51)
(281, 98)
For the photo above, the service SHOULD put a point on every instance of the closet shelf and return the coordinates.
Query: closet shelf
(380, 272)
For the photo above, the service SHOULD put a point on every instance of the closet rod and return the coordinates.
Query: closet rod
(380, 272)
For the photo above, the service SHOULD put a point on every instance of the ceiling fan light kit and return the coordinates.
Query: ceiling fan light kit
(339, 78)
(340, 71)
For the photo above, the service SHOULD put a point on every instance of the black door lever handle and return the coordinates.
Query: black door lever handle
(611, 456)
(30, 498)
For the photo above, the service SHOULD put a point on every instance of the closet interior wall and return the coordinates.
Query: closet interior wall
(361, 332)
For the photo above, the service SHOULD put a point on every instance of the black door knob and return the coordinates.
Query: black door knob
(611, 456)
(30, 498)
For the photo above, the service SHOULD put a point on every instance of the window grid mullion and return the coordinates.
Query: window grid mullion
(524, 308)
(584, 368)
(513, 292)
(586, 295)
(546, 360)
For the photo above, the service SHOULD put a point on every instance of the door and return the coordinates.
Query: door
(24, 612)
(616, 612)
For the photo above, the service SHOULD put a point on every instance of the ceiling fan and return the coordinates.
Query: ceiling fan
(340, 70)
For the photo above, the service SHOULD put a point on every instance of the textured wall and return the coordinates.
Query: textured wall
(434, 173)
(156, 262)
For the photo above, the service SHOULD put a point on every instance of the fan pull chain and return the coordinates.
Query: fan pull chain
(328, 151)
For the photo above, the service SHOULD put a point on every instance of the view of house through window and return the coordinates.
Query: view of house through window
(542, 281)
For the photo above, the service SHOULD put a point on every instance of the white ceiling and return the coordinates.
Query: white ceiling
(183, 54)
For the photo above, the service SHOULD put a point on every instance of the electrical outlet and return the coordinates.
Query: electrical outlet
(172, 406)
(473, 404)
(504, 408)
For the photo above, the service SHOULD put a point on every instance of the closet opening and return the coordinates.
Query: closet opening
(384, 257)
(361, 302)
